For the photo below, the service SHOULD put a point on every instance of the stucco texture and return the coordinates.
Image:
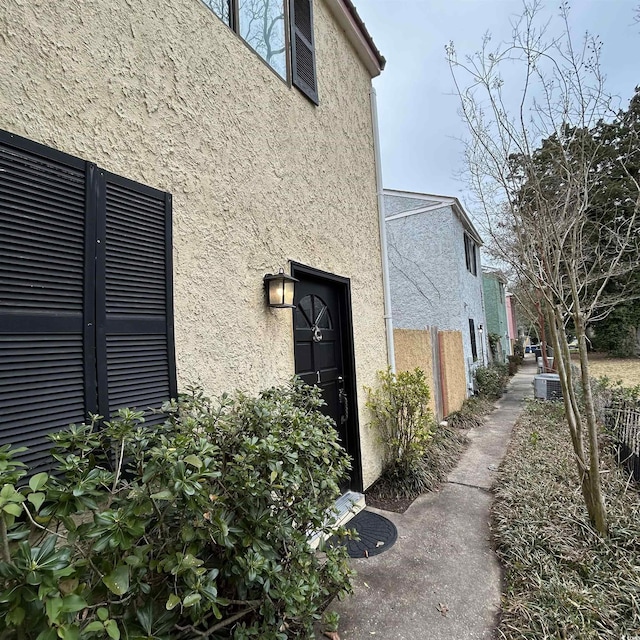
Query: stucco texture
(166, 94)
(413, 349)
(453, 370)
(430, 283)
(496, 310)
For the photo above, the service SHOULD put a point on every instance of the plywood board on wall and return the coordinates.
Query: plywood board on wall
(413, 349)
(453, 370)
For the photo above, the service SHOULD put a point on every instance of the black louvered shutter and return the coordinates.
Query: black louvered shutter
(47, 377)
(86, 304)
(135, 326)
(303, 55)
(472, 335)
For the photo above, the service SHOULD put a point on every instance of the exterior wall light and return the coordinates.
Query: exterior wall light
(480, 329)
(280, 289)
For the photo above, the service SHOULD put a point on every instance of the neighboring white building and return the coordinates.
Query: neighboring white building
(435, 271)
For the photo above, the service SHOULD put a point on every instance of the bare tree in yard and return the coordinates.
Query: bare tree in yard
(537, 115)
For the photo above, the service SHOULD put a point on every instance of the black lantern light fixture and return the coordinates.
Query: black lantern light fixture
(280, 289)
(480, 329)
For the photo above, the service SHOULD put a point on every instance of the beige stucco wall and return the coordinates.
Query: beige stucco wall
(413, 349)
(453, 368)
(165, 94)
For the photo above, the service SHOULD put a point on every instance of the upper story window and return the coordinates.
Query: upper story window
(471, 254)
(264, 26)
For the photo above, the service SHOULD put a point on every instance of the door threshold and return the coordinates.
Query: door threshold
(347, 506)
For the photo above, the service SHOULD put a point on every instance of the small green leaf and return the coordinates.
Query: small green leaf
(53, 607)
(36, 499)
(133, 561)
(111, 627)
(69, 633)
(15, 617)
(189, 561)
(96, 625)
(102, 613)
(13, 508)
(172, 602)
(274, 475)
(38, 481)
(162, 495)
(194, 461)
(118, 580)
(72, 603)
(48, 634)
(191, 599)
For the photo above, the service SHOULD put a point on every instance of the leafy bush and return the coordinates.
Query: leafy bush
(196, 528)
(442, 453)
(492, 380)
(513, 362)
(494, 342)
(518, 352)
(470, 415)
(401, 414)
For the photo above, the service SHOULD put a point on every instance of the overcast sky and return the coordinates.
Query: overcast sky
(418, 115)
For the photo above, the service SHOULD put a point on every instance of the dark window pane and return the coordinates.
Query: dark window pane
(472, 334)
(262, 27)
(220, 8)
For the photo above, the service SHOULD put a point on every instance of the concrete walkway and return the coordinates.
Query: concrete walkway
(441, 580)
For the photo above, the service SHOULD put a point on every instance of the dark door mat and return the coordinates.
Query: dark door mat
(376, 533)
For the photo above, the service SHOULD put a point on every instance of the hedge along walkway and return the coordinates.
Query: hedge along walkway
(441, 580)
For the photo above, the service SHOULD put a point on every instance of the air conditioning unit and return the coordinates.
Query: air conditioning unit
(546, 386)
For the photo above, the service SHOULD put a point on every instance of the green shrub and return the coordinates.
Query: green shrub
(442, 453)
(494, 342)
(518, 352)
(400, 412)
(199, 527)
(492, 380)
(470, 415)
(513, 362)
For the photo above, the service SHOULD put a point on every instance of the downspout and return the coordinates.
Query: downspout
(391, 355)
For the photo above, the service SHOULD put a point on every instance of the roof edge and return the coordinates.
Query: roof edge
(497, 274)
(356, 32)
(443, 201)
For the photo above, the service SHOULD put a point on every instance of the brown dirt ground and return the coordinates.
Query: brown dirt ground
(626, 370)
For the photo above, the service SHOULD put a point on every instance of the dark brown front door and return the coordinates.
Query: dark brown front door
(323, 355)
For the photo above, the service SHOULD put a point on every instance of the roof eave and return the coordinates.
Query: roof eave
(443, 201)
(357, 34)
(466, 221)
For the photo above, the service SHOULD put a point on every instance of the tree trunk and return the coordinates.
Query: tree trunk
(571, 405)
(591, 481)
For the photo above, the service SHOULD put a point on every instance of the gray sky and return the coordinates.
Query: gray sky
(418, 115)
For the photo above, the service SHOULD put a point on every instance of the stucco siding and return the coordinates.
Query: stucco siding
(471, 295)
(423, 271)
(495, 308)
(166, 94)
(395, 204)
(430, 284)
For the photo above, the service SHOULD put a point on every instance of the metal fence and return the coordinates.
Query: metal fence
(623, 420)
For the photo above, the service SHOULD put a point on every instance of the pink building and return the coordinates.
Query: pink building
(511, 321)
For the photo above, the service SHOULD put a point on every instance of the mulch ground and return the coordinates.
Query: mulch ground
(398, 506)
